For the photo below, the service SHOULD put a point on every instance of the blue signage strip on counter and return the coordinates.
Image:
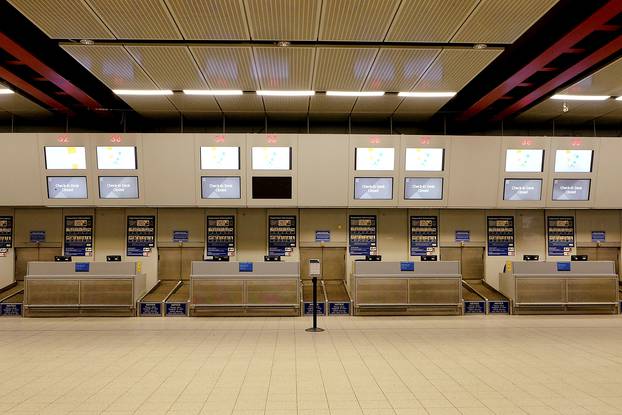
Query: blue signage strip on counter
(322, 236)
(341, 308)
(560, 235)
(463, 236)
(11, 309)
(245, 267)
(281, 235)
(564, 266)
(406, 266)
(82, 267)
(6, 231)
(78, 236)
(140, 235)
(151, 309)
(308, 308)
(362, 231)
(598, 236)
(475, 307)
(220, 235)
(176, 309)
(498, 307)
(181, 236)
(500, 235)
(37, 236)
(423, 234)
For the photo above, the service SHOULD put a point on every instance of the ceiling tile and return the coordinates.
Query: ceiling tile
(284, 68)
(343, 69)
(170, 67)
(19, 105)
(356, 20)
(283, 19)
(241, 103)
(398, 69)
(194, 103)
(210, 19)
(322, 104)
(286, 104)
(227, 67)
(606, 81)
(421, 108)
(152, 105)
(377, 105)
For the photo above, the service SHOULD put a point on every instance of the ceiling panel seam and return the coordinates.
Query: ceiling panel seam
(466, 19)
(421, 77)
(369, 69)
(395, 13)
(97, 16)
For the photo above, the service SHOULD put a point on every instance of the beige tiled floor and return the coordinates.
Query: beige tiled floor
(399, 366)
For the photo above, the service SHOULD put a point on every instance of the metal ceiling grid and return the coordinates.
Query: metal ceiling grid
(210, 19)
(429, 20)
(501, 21)
(284, 68)
(227, 67)
(63, 19)
(131, 19)
(342, 69)
(170, 67)
(356, 20)
(289, 20)
(398, 69)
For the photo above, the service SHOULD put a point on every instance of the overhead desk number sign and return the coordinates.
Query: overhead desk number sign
(281, 235)
(220, 236)
(501, 236)
(560, 234)
(78, 236)
(140, 235)
(423, 235)
(362, 235)
(6, 232)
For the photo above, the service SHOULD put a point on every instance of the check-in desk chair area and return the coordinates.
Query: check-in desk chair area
(241, 289)
(59, 289)
(431, 288)
(561, 287)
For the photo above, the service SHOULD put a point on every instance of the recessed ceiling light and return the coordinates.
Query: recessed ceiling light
(286, 93)
(480, 46)
(581, 97)
(413, 94)
(213, 92)
(87, 42)
(283, 43)
(142, 91)
(619, 99)
(355, 93)
(6, 91)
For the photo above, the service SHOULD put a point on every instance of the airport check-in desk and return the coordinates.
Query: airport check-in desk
(407, 288)
(82, 288)
(561, 287)
(245, 289)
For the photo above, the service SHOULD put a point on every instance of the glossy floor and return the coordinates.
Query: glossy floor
(416, 365)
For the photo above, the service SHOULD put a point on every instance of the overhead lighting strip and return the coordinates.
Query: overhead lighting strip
(415, 94)
(270, 93)
(355, 93)
(565, 97)
(143, 92)
(212, 92)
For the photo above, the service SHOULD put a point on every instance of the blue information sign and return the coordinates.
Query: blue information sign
(37, 236)
(220, 235)
(176, 309)
(78, 236)
(82, 267)
(423, 234)
(308, 308)
(598, 236)
(11, 309)
(560, 235)
(475, 307)
(281, 235)
(245, 267)
(499, 307)
(463, 236)
(181, 236)
(340, 308)
(362, 235)
(564, 266)
(140, 235)
(500, 235)
(322, 236)
(150, 309)
(407, 266)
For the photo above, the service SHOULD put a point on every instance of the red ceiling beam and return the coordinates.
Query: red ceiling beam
(597, 21)
(32, 91)
(42, 69)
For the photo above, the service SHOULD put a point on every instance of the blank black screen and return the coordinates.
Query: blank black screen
(266, 187)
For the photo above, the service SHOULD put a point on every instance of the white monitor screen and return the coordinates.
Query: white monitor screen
(373, 188)
(117, 187)
(423, 188)
(524, 161)
(271, 158)
(375, 158)
(220, 187)
(220, 158)
(116, 158)
(424, 159)
(573, 161)
(571, 189)
(67, 187)
(522, 189)
(65, 158)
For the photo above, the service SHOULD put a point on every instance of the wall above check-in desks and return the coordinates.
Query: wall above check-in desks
(321, 173)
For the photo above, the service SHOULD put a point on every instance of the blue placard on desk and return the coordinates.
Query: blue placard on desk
(82, 267)
(245, 267)
(406, 266)
(563, 266)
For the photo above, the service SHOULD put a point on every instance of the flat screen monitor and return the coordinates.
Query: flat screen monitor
(118, 187)
(220, 158)
(116, 158)
(271, 158)
(522, 189)
(573, 161)
(67, 187)
(424, 159)
(375, 158)
(571, 189)
(266, 187)
(373, 188)
(65, 158)
(524, 160)
(423, 188)
(220, 187)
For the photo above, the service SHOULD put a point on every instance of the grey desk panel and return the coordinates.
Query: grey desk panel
(96, 269)
(208, 269)
(382, 269)
(577, 268)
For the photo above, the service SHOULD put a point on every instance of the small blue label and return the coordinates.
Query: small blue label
(463, 236)
(339, 309)
(322, 236)
(407, 266)
(598, 236)
(181, 236)
(82, 267)
(151, 309)
(499, 307)
(245, 267)
(308, 307)
(563, 266)
(176, 309)
(37, 236)
(11, 309)
(474, 307)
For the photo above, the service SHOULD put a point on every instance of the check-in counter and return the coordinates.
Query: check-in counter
(64, 289)
(245, 289)
(561, 287)
(407, 288)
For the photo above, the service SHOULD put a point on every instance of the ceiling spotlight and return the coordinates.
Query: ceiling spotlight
(564, 107)
(87, 42)
(283, 43)
(480, 46)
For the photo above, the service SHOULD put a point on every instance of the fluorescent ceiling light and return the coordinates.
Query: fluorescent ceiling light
(286, 93)
(6, 91)
(213, 92)
(426, 94)
(619, 99)
(355, 93)
(142, 91)
(580, 97)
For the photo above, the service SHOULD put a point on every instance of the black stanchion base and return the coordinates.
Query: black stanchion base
(314, 329)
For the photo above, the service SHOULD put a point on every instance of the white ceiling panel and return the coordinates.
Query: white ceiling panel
(343, 69)
(421, 108)
(227, 67)
(194, 103)
(112, 65)
(63, 19)
(210, 19)
(286, 104)
(152, 105)
(356, 20)
(398, 69)
(377, 105)
(606, 81)
(429, 20)
(241, 103)
(322, 104)
(501, 21)
(136, 19)
(284, 68)
(283, 19)
(170, 67)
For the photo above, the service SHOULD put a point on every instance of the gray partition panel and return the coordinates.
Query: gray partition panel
(393, 269)
(208, 269)
(533, 268)
(96, 269)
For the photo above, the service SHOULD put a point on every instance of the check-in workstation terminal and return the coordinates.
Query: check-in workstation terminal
(240, 224)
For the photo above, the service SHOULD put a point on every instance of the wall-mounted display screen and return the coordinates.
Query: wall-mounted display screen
(373, 188)
(573, 161)
(272, 158)
(265, 187)
(116, 158)
(522, 189)
(424, 159)
(118, 187)
(374, 158)
(67, 187)
(220, 158)
(65, 158)
(571, 189)
(423, 188)
(524, 160)
(220, 187)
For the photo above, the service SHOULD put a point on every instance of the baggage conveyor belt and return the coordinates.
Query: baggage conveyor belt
(337, 297)
(473, 302)
(151, 304)
(176, 305)
(496, 303)
(12, 300)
